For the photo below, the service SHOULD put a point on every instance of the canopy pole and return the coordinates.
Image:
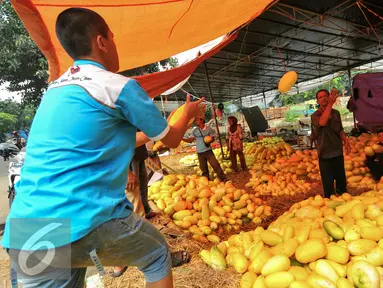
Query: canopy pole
(264, 102)
(212, 107)
(352, 96)
(163, 108)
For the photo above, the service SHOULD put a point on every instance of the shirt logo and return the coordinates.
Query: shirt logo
(74, 69)
(70, 77)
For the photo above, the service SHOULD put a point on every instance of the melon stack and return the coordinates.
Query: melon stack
(332, 243)
(267, 150)
(356, 171)
(206, 208)
(287, 176)
(299, 172)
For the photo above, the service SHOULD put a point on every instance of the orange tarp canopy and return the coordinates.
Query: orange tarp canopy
(146, 31)
(156, 83)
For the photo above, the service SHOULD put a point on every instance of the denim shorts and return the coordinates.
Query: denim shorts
(130, 241)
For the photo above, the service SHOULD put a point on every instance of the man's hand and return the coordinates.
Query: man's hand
(194, 109)
(132, 182)
(347, 148)
(178, 130)
(333, 96)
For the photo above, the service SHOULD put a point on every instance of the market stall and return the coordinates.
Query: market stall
(271, 227)
(266, 229)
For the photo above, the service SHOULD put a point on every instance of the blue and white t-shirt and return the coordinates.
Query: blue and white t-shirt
(80, 145)
(199, 134)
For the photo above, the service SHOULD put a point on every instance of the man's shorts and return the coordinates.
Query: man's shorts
(130, 241)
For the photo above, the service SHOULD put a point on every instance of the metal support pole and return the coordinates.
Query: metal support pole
(264, 101)
(212, 107)
(349, 80)
(163, 108)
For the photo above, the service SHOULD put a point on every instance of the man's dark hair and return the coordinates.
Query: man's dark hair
(75, 29)
(322, 90)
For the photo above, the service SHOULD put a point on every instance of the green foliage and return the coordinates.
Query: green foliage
(151, 68)
(21, 115)
(291, 116)
(23, 66)
(343, 111)
(300, 97)
(172, 62)
(341, 83)
(6, 121)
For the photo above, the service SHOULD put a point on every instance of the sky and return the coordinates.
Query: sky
(4, 94)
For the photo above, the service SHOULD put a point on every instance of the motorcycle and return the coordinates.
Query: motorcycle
(18, 142)
(7, 151)
(14, 174)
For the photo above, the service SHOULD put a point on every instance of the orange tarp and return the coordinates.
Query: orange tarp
(156, 83)
(146, 31)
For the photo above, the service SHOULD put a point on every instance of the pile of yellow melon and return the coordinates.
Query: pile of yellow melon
(267, 185)
(267, 150)
(318, 243)
(299, 172)
(356, 171)
(286, 176)
(206, 208)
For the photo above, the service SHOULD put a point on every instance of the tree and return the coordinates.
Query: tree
(151, 68)
(23, 67)
(23, 114)
(6, 121)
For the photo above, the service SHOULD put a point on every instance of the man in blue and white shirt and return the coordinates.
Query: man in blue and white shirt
(80, 145)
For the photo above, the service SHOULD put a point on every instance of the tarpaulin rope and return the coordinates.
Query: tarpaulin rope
(192, 88)
(281, 56)
(183, 15)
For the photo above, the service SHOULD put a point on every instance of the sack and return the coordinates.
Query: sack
(135, 198)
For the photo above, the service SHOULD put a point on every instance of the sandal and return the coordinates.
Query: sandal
(180, 258)
(119, 273)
